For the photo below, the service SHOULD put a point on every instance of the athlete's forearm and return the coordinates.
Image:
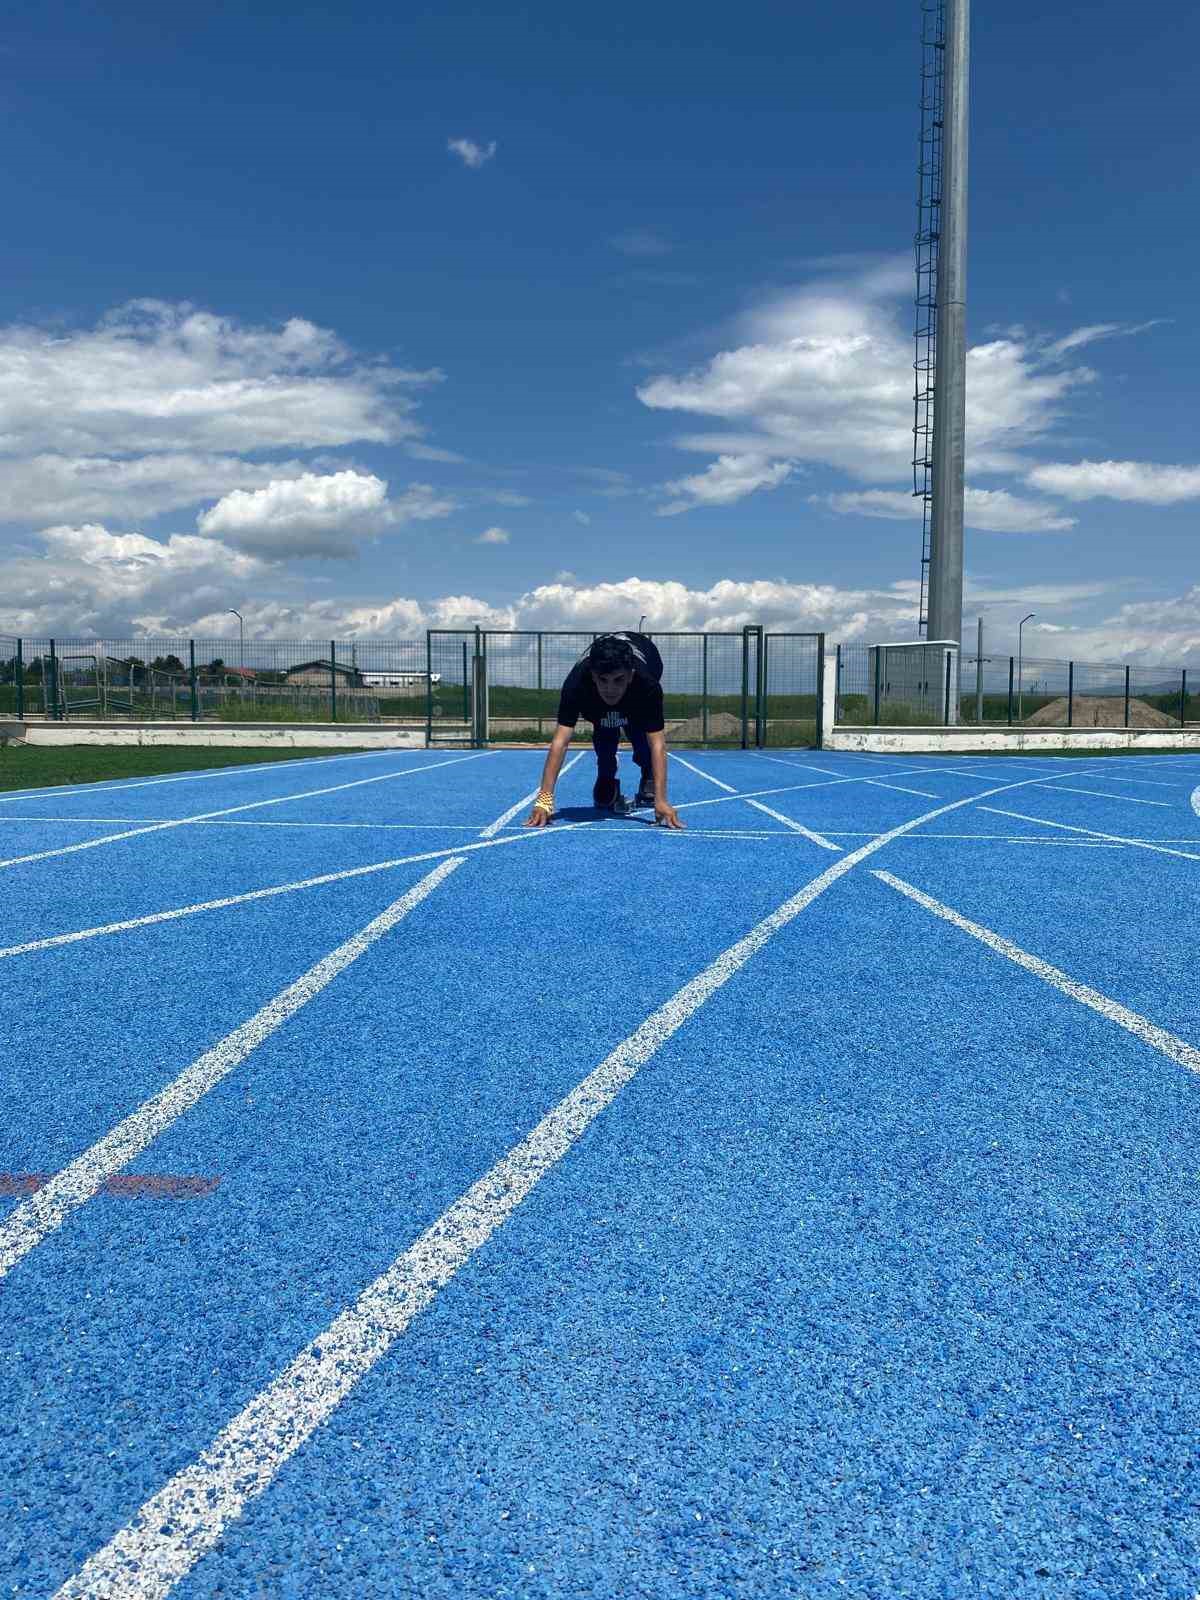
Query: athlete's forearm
(658, 764)
(555, 757)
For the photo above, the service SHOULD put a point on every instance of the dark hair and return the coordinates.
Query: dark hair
(610, 654)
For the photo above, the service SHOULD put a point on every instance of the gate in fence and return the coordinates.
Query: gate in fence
(737, 690)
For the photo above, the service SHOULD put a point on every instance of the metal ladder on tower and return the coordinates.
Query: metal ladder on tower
(926, 240)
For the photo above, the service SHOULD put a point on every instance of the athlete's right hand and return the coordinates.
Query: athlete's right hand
(538, 818)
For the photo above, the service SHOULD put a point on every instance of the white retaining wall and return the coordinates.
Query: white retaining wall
(952, 741)
(228, 735)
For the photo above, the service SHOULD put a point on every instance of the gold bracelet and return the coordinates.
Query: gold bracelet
(544, 802)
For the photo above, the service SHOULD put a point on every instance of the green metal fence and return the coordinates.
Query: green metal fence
(1011, 691)
(737, 690)
(227, 680)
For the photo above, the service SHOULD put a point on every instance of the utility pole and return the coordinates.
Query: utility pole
(241, 638)
(949, 409)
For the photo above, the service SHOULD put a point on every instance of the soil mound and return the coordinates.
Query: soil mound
(721, 725)
(1100, 711)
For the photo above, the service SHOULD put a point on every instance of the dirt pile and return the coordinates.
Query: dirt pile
(1100, 711)
(721, 725)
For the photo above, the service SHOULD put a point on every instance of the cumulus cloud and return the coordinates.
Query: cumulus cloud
(1099, 330)
(582, 518)
(988, 510)
(473, 155)
(494, 536)
(160, 406)
(728, 479)
(823, 375)
(318, 514)
(88, 582)
(1141, 481)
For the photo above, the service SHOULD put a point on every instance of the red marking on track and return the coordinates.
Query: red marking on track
(130, 1185)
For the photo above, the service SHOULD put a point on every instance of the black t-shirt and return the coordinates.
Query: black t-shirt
(641, 706)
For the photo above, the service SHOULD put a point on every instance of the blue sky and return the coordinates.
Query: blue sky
(301, 304)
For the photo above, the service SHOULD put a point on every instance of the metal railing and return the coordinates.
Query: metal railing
(1012, 691)
(738, 690)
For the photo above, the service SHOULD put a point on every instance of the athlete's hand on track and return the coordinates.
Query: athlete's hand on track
(666, 815)
(538, 818)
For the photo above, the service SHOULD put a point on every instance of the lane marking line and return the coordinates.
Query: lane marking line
(253, 805)
(52, 791)
(798, 827)
(50, 941)
(758, 806)
(1178, 1050)
(1128, 799)
(526, 800)
(878, 783)
(38, 1217)
(188, 1516)
(1117, 838)
(728, 787)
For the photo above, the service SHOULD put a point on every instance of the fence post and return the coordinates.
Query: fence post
(946, 697)
(878, 682)
(332, 682)
(745, 679)
(466, 686)
(539, 682)
(50, 703)
(477, 676)
(1070, 694)
(193, 685)
(979, 675)
(429, 684)
(760, 715)
(1183, 699)
(821, 691)
(1010, 689)
(1126, 696)
(704, 691)
(21, 684)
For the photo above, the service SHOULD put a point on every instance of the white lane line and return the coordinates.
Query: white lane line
(1117, 838)
(758, 806)
(878, 783)
(1196, 800)
(36, 1218)
(525, 800)
(272, 822)
(1178, 1050)
(1149, 783)
(798, 827)
(253, 805)
(52, 791)
(728, 787)
(189, 1515)
(175, 912)
(1128, 799)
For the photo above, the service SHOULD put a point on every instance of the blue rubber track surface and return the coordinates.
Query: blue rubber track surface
(880, 1277)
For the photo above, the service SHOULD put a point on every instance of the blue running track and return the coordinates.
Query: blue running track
(802, 1205)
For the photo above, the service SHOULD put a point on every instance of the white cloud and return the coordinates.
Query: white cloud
(726, 480)
(582, 518)
(989, 510)
(473, 155)
(494, 536)
(1141, 481)
(1099, 330)
(88, 582)
(309, 515)
(824, 375)
(158, 407)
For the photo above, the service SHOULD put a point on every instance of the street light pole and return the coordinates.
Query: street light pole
(241, 638)
(1021, 668)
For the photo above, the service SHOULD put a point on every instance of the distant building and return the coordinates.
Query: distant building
(318, 672)
(400, 680)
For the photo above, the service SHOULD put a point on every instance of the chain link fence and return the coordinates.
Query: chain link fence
(1011, 691)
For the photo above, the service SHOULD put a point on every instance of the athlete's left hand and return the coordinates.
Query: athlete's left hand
(666, 815)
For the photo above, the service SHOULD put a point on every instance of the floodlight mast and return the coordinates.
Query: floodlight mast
(949, 408)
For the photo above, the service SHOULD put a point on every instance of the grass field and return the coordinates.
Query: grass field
(34, 767)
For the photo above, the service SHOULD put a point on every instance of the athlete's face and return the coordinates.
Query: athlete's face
(610, 686)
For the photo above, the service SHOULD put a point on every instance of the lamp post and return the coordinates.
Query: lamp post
(1020, 668)
(241, 638)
